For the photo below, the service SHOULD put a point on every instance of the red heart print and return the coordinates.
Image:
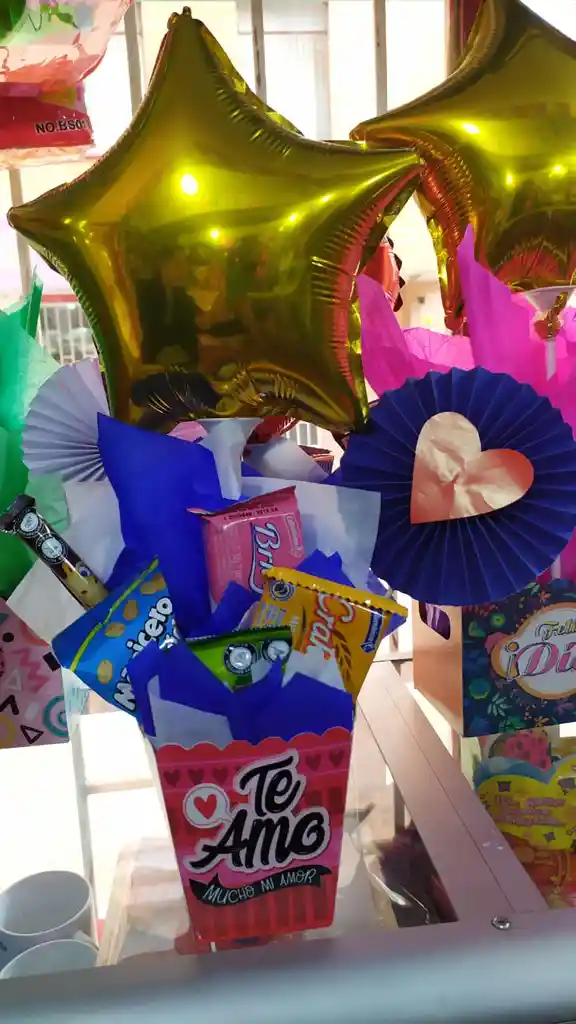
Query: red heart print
(196, 775)
(206, 805)
(313, 762)
(172, 778)
(336, 757)
(220, 774)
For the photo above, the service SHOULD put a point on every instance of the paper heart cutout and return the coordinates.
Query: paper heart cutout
(206, 805)
(454, 479)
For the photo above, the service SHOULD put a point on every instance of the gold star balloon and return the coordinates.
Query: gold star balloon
(214, 250)
(498, 139)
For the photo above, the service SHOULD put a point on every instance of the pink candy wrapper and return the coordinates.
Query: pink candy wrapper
(247, 538)
(32, 707)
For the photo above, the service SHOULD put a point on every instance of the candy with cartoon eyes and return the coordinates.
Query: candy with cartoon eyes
(234, 658)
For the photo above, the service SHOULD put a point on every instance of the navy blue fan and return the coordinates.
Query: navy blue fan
(482, 558)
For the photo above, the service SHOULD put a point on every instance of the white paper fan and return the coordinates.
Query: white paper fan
(61, 431)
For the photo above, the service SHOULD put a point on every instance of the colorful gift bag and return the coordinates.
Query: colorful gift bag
(257, 831)
(32, 710)
(500, 667)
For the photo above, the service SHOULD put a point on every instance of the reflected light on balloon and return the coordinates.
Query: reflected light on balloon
(218, 263)
(189, 185)
(471, 129)
(498, 141)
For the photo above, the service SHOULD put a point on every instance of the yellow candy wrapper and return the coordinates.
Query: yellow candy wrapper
(343, 622)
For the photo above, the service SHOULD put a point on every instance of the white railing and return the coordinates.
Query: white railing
(64, 331)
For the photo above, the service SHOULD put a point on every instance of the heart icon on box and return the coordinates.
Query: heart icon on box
(206, 805)
(454, 479)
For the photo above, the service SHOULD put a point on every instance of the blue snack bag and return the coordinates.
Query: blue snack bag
(98, 647)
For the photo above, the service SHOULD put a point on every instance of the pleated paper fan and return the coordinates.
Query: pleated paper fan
(61, 431)
(482, 558)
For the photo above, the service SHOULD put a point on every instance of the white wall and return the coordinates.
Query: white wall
(352, 64)
(9, 272)
(560, 13)
(221, 18)
(40, 829)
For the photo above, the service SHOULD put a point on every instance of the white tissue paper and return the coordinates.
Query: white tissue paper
(334, 519)
(175, 723)
(313, 663)
(340, 519)
(226, 439)
(285, 460)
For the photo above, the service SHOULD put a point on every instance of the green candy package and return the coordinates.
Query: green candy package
(241, 658)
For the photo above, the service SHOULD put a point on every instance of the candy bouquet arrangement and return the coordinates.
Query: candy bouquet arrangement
(229, 589)
(239, 641)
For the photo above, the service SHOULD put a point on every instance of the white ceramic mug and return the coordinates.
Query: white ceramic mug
(50, 957)
(43, 907)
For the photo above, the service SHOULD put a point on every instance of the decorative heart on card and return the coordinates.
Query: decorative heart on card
(454, 479)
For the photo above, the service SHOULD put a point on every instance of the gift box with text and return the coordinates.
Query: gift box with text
(257, 832)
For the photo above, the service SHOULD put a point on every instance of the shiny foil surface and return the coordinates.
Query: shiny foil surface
(214, 250)
(498, 139)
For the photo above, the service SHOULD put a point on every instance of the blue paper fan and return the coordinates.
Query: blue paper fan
(483, 558)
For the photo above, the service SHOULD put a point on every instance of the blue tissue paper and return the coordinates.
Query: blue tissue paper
(266, 708)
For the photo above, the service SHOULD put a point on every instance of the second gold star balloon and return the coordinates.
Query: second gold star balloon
(214, 250)
(498, 141)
